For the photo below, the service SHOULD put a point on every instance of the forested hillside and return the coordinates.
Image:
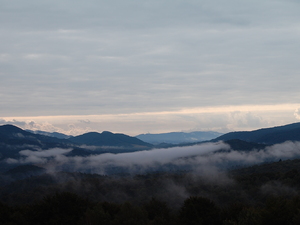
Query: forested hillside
(254, 195)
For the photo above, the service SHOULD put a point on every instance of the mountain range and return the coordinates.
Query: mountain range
(14, 139)
(154, 139)
(50, 134)
(252, 180)
(17, 145)
(179, 137)
(269, 136)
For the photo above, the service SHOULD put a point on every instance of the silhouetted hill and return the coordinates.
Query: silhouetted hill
(178, 137)
(14, 139)
(274, 135)
(239, 145)
(252, 185)
(24, 171)
(50, 134)
(109, 139)
(268, 168)
(12, 134)
(20, 172)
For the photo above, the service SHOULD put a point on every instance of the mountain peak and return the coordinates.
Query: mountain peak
(107, 138)
(10, 128)
(106, 132)
(10, 131)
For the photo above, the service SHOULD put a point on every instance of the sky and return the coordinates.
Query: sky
(149, 66)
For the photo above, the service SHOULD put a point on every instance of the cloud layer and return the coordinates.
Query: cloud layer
(116, 57)
(204, 159)
(222, 119)
(98, 57)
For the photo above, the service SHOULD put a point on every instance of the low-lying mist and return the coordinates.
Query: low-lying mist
(205, 159)
(171, 175)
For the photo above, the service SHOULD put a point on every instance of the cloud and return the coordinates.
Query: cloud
(44, 125)
(99, 57)
(297, 113)
(39, 156)
(85, 121)
(275, 188)
(157, 156)
(141, 160)
(205, 160)
(245, 119)
(29, 124)
(221, 118)
(13, 122)
(45, 153)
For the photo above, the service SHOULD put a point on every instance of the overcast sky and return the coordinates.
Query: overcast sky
(137, 66)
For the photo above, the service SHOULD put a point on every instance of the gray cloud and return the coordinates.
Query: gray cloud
(68, 128)
(205, 160)
(100, 57)
(297, 113)
(277, 189)
(13, 122)
(85, 121)
(45, 153)
(39, 156)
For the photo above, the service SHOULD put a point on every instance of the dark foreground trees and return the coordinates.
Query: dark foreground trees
(68, 208)
(199, 211)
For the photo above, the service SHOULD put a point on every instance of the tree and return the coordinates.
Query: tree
(199, 210)
(158, 212)
(61, 208)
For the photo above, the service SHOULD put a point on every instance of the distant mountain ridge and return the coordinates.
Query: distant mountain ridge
(107, 138)
(13, 135)
(50, 134)
(18, 146)
(14, 139)
(273, 135)
(239, 145)
(179, 137)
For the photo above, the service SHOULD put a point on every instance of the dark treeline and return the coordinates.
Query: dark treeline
(69, 208)
(265, 194)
